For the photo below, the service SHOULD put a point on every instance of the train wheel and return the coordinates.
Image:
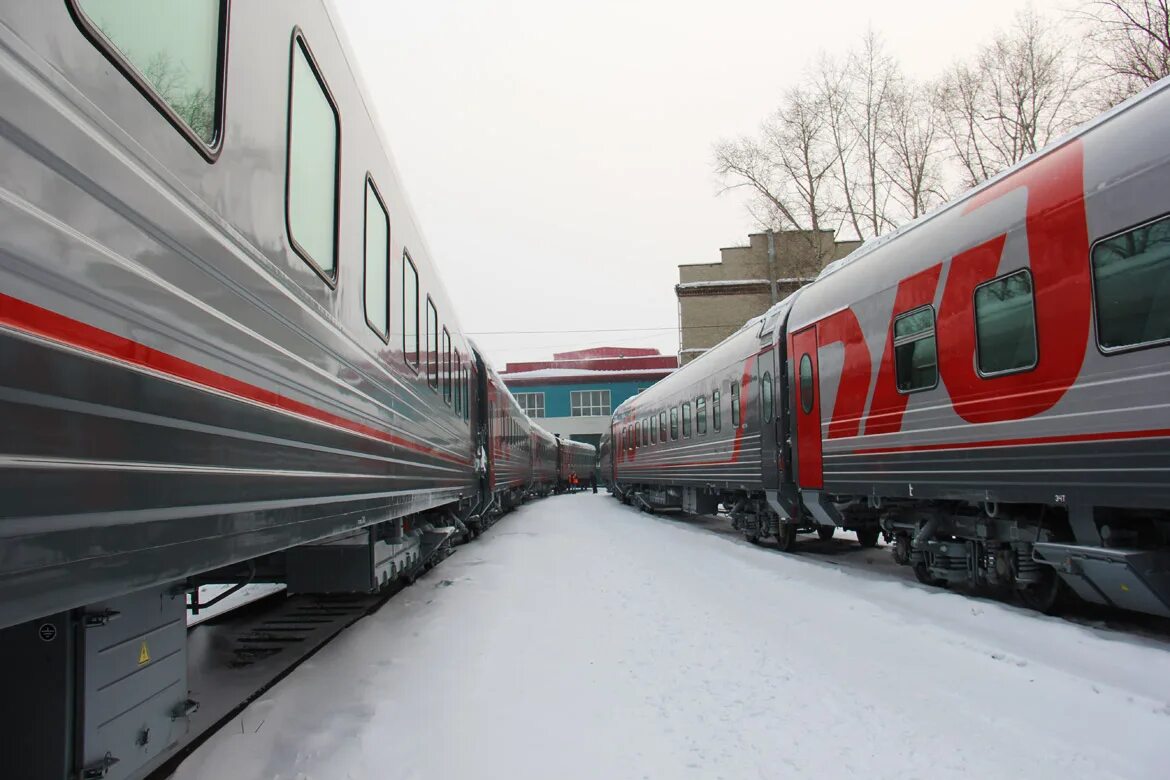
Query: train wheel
(1046, 596)
(868, 537)
(752, 537)
(924, 576)
(826, 532)
(786, 537)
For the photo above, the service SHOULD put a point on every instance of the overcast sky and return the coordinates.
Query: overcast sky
(558, 152)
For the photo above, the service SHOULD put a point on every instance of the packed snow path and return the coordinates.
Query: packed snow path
(581, 639)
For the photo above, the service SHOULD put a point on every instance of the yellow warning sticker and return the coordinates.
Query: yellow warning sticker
(143, 655)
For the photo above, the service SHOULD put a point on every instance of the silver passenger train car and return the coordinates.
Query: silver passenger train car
(227, 352)
(987, 386)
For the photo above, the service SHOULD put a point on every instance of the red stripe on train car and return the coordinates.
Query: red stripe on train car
(34, 320)
(1040, 440)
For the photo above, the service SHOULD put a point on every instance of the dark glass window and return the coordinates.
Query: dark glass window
(653, 429)
(446, 355)
(716, 411)
(1005, 324)
(1131, 279)
(662, 426)
(735, 404)
(806, 383)
(673, 423)
(701, 415)
(377, 263)
(915, 351)
(458, 364)
(432, 344)
(686, 419)
(766, 396)
(409, 312)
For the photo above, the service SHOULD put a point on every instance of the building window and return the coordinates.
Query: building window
(432, 344)
(716, 411)
(172, 51)
(531, 403)
(686, 419)
(314, 149)
(589, 403)
(915, 351)
(377, 263)
(662, 426)
(673, 423)
(766, 396)
(1005, 325)
(446, 354)
(409, 312)
(1131, 282)
(701, 415)
(735, 404)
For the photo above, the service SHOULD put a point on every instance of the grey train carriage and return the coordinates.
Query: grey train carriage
(986, 385)
(227, 352)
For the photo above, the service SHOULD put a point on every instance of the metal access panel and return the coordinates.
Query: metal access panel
(355, 563)
(36, 677)
(134, 681)
(696, 502)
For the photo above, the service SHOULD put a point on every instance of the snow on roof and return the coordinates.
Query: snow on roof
(736, 282)
(549, 373)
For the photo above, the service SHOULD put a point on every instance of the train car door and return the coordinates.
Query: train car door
(809, 461)
(769, 414)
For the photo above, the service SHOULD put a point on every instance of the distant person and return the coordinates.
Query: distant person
(572, 482)
(593, 481)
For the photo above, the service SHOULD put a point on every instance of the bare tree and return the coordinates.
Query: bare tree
(193, 105)
(875, 76)
(912, 162)
(787, 168)
(1021, 92)
(1130, 43)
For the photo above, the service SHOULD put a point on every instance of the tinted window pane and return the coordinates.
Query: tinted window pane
(1131, 275)
(686, 419)
(735, 404)
(716, 411)
(662, 425)
(806, 384)
(312, 166)
(377, 264)
(446, 356)
(915, 351)
(674, 422)
(174, 45)
(766, 396)
(701, 415)
(914, 322)
(410, 312)
(1005, 324)
(432, 344)
(653, 430)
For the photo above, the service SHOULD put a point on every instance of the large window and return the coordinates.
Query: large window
(1131, 279)
(432, 344)
(531, 403)
(766, 398)
(915, 351)
(409, 312)
(377, 284)
(314, 134)
(446, 355)
(716, 411)
(172, 49)
(589, 403)
(1005, 325)
(735, 404)
(673, 423)
(701, 415)
(686, 419)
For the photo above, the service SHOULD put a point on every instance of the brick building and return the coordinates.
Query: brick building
(715, 299)
(574, 394)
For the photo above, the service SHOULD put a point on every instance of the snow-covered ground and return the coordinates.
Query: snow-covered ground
(581, 639)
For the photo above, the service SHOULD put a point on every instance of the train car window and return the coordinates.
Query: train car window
(716, 411)
(686, 419)
(432, 344)
(458, 379)
(806, 384)
(653, 428)
(673, 423)
(915, 351)
(662, 426)
(735, 404)
(645, 433)
(766, 396)
(1005, 325)
(377, 263)
(409, 312)
(1131, 284)
(314, 153)
(446, 355)
(173, 52)
(467, 393)
(701, 415)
